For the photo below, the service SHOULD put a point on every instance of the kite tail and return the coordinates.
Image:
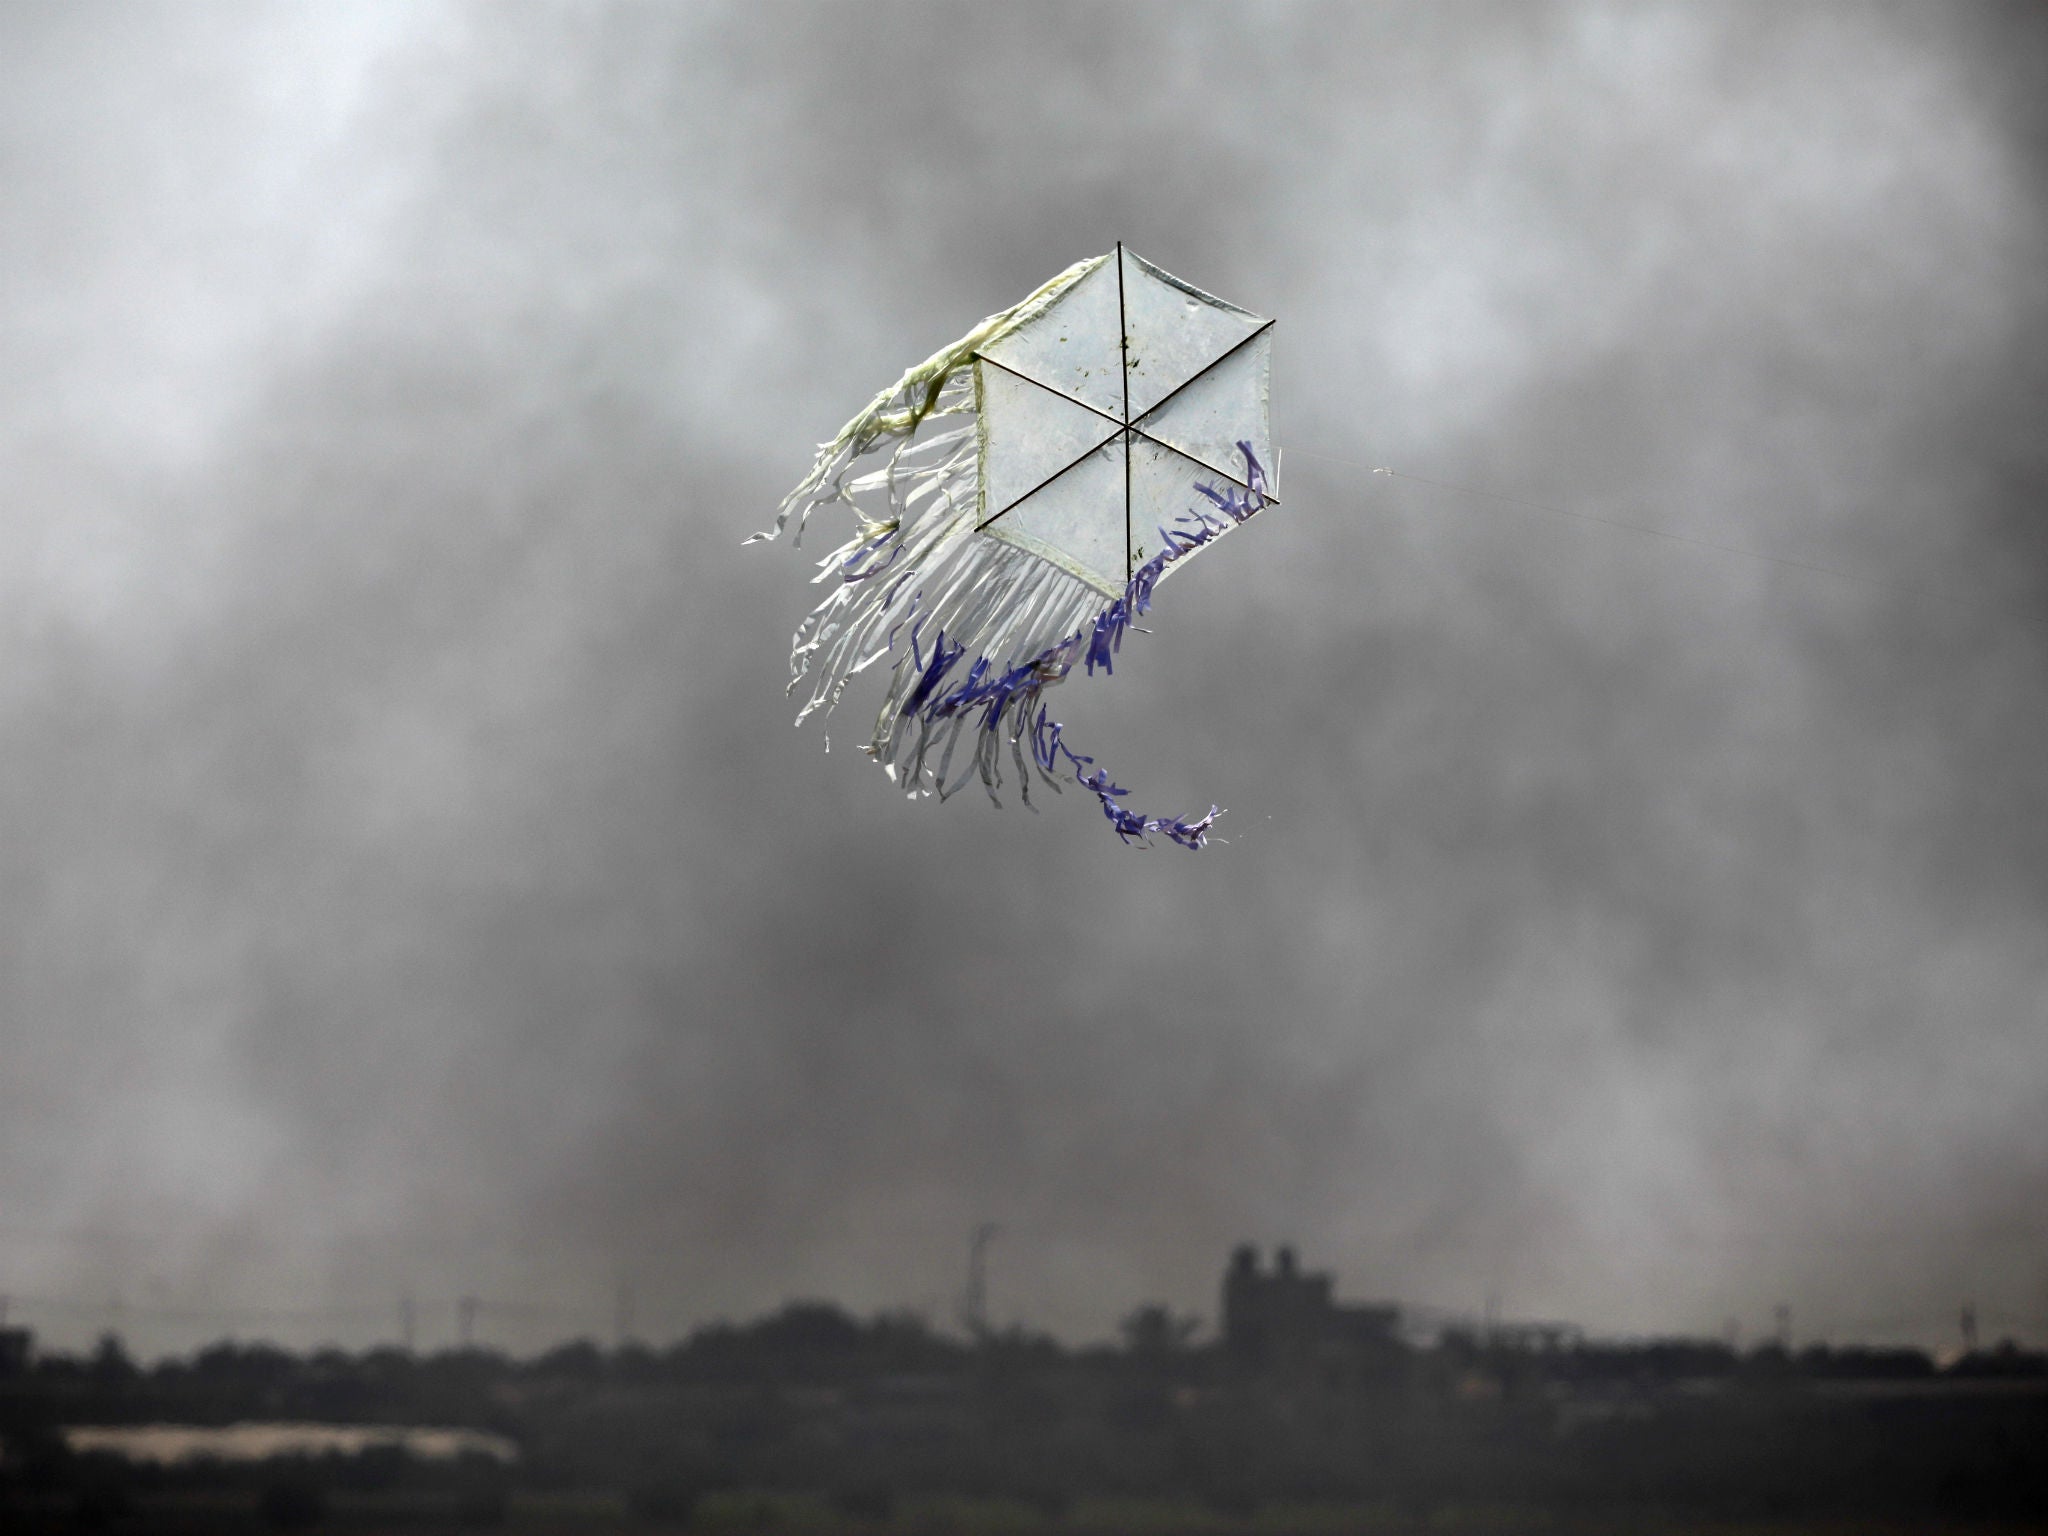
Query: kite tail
(913, 566)
(914, 574)
(943, 693)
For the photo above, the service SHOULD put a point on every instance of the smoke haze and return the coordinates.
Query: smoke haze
(413, 883)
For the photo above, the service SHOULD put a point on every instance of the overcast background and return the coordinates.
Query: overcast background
(412, 882)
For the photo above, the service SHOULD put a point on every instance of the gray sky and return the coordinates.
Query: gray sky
(412, 879)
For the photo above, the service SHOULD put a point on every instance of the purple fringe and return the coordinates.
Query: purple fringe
(1015, 693)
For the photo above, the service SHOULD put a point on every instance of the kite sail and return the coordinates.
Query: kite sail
(1037, 480)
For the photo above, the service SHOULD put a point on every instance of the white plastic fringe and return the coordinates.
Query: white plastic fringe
(899, 410)
(917, 579)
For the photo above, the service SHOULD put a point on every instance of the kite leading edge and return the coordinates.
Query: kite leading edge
(1041, 476)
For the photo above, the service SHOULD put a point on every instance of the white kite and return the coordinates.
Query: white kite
(1040, 477)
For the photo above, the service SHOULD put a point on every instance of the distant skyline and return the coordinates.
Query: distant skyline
(412, 880)
(432, 1322)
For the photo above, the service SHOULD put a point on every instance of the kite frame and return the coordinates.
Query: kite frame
(1127, 428)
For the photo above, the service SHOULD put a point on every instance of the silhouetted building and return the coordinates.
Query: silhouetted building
(1284, 1325)
(16, 1347)
(1535, 1338)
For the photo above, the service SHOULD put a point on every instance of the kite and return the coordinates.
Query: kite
(1040, 477)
